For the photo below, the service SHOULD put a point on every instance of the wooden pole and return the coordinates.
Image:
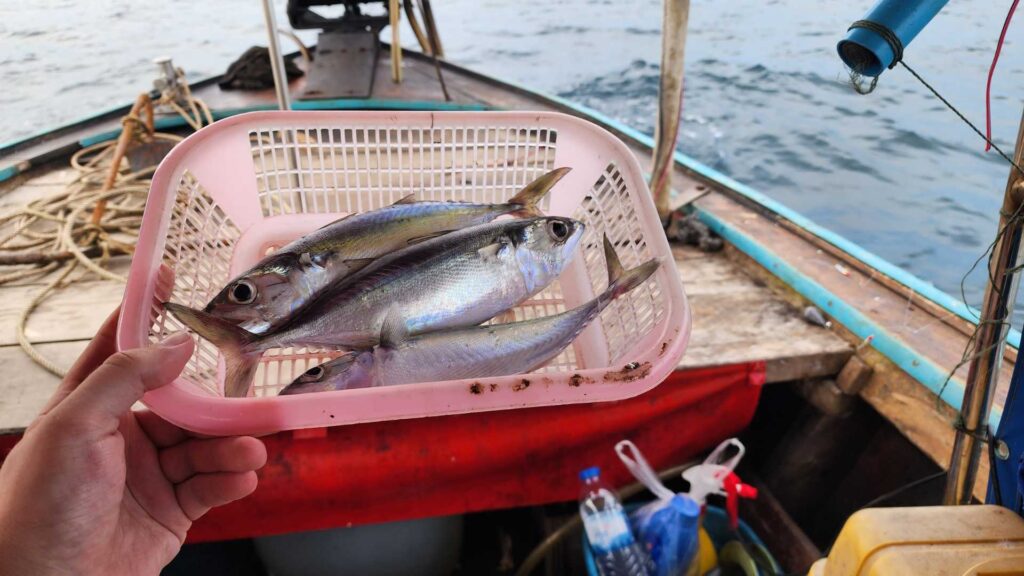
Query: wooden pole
(414, 23)
(142, 104)
(670, 99)
(431, 25)
(396, 42)
(990, 339)
(284, 101)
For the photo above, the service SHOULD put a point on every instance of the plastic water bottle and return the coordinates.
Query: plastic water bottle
(615, 551)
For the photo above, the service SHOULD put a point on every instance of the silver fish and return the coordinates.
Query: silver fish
(266, 294)
(459, 279)
(474, 352)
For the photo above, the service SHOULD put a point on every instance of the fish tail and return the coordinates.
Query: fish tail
(621, 281)
(236, 344)
(526, 200)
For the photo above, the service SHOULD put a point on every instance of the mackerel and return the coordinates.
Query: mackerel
(473, 352)
(458, 279)
(279, 285)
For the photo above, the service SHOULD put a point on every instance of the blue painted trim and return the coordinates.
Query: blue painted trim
(158, 124)
(920, 368)
(919, 286)
(9, 172)
(339, 104)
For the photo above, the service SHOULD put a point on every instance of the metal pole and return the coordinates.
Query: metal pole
(990, 340)
(276, 58)
(670, 100)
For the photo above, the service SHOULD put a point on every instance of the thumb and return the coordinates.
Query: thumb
(111, 390)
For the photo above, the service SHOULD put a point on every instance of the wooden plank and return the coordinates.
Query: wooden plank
(899, 313)
(26, 386)
(854, 376)
(782, 366)
(916, 413)
(74, 313)
(118, 265)
(791, 547)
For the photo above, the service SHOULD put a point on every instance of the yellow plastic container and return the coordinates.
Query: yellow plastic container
(928, 541)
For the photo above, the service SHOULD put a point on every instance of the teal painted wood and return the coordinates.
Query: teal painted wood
(9, 172)
(920, 368)
(373, 104)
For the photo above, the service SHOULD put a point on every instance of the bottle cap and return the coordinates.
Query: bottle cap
(588, 473)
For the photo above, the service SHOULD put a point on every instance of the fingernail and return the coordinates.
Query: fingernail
(175, 340)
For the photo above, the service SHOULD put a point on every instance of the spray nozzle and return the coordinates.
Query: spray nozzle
(709, 477)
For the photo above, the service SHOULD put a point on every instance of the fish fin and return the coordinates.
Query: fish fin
(233, 342)
(526, 199)
(256, 325)
(332, 223)
(612, 262)
(621, 281)
(362, 341)
(318, 260)
(494, 250)
(393, 330)
(410, 199)
(356, 264)
(629, 280)
(418, 239)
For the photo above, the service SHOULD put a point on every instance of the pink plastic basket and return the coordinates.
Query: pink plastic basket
(236, 190)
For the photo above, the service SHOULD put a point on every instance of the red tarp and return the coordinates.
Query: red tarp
(387, 471)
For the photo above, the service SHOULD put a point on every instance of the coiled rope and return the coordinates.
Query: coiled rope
(95, 217)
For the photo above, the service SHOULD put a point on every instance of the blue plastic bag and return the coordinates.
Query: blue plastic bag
(667, 528)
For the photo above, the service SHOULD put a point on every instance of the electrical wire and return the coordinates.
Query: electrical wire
(991, 72)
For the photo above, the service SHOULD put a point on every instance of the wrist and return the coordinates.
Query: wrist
(16, 558)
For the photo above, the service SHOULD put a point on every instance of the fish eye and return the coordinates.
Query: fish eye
(558, 230)
(243, 292)
(316, 372)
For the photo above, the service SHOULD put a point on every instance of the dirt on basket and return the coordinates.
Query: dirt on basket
(477, 388)
(522, 385)
(629, 373)
(576, 379)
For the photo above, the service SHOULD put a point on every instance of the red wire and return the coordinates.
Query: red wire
(991, 71)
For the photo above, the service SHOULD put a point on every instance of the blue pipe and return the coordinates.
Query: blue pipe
(868, 52)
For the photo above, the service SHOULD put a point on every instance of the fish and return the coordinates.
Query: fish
(458, 279)
(265, 295)
(473, 352)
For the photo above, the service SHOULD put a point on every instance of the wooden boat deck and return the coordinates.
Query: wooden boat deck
(737, 319)
(742, 310)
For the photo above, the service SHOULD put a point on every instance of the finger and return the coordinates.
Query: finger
(185, 460)
(161, 291)
(101, 347)
(200, 493)
(123, 378)
(164, 283)
(161, 432)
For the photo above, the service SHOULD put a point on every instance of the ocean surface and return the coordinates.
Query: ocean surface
(767, 99)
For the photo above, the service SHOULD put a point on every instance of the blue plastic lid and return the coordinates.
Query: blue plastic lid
(588, 473)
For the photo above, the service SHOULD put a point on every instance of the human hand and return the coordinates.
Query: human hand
(95, 488)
